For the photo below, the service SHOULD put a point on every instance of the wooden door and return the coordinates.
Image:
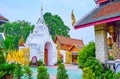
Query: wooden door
(46, 57)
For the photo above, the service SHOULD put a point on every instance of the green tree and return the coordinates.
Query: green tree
(8, 43)
(42, 73)
(13, 31)
(56, 25)
(62, 72)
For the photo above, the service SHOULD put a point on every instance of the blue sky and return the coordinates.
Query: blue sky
(29, 10)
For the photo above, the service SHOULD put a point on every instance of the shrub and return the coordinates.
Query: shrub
(59, 61)
(6, 69)
(95, 66)
(40, 62)
(30, 63)
(42, 73)
(62, 72)
(109, 74)
(110, 57)
(18, 71)
(28, 72)
(117, 75)
(2, 58)
(88, 74)
(85, 53)
(90, 64)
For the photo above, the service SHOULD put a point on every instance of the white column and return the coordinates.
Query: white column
(101, 43)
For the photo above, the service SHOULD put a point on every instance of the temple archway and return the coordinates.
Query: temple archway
(48, 53)
(41, 44)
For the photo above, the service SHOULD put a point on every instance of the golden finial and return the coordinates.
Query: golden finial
(21, 41)
(73, 18)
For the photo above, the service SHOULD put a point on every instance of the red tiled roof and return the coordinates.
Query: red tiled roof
(3, 18)
(103, 13)
(69, 41)
(108, 10)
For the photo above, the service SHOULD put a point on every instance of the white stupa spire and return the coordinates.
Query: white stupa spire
(41, 19)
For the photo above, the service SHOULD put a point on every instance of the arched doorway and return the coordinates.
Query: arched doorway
(34, 60)
(48, 53)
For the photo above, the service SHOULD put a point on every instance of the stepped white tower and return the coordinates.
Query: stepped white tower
(41, 44)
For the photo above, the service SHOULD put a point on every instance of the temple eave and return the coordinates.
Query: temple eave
(97, 22)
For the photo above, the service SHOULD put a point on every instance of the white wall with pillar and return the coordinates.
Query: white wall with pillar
(101, 42)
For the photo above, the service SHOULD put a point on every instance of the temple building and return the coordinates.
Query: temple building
(68, 48)
(106, 20)
(72, 54)
(3, 20)
(41, 44)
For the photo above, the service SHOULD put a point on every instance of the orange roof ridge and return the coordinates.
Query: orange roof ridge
(69, 37)
(69, 41)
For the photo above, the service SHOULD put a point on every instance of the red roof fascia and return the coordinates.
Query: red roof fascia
(97, 22)
(100, 1)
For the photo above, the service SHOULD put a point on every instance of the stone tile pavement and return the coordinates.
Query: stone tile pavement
(67, 66)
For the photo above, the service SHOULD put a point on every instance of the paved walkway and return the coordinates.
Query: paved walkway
(67, 66)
